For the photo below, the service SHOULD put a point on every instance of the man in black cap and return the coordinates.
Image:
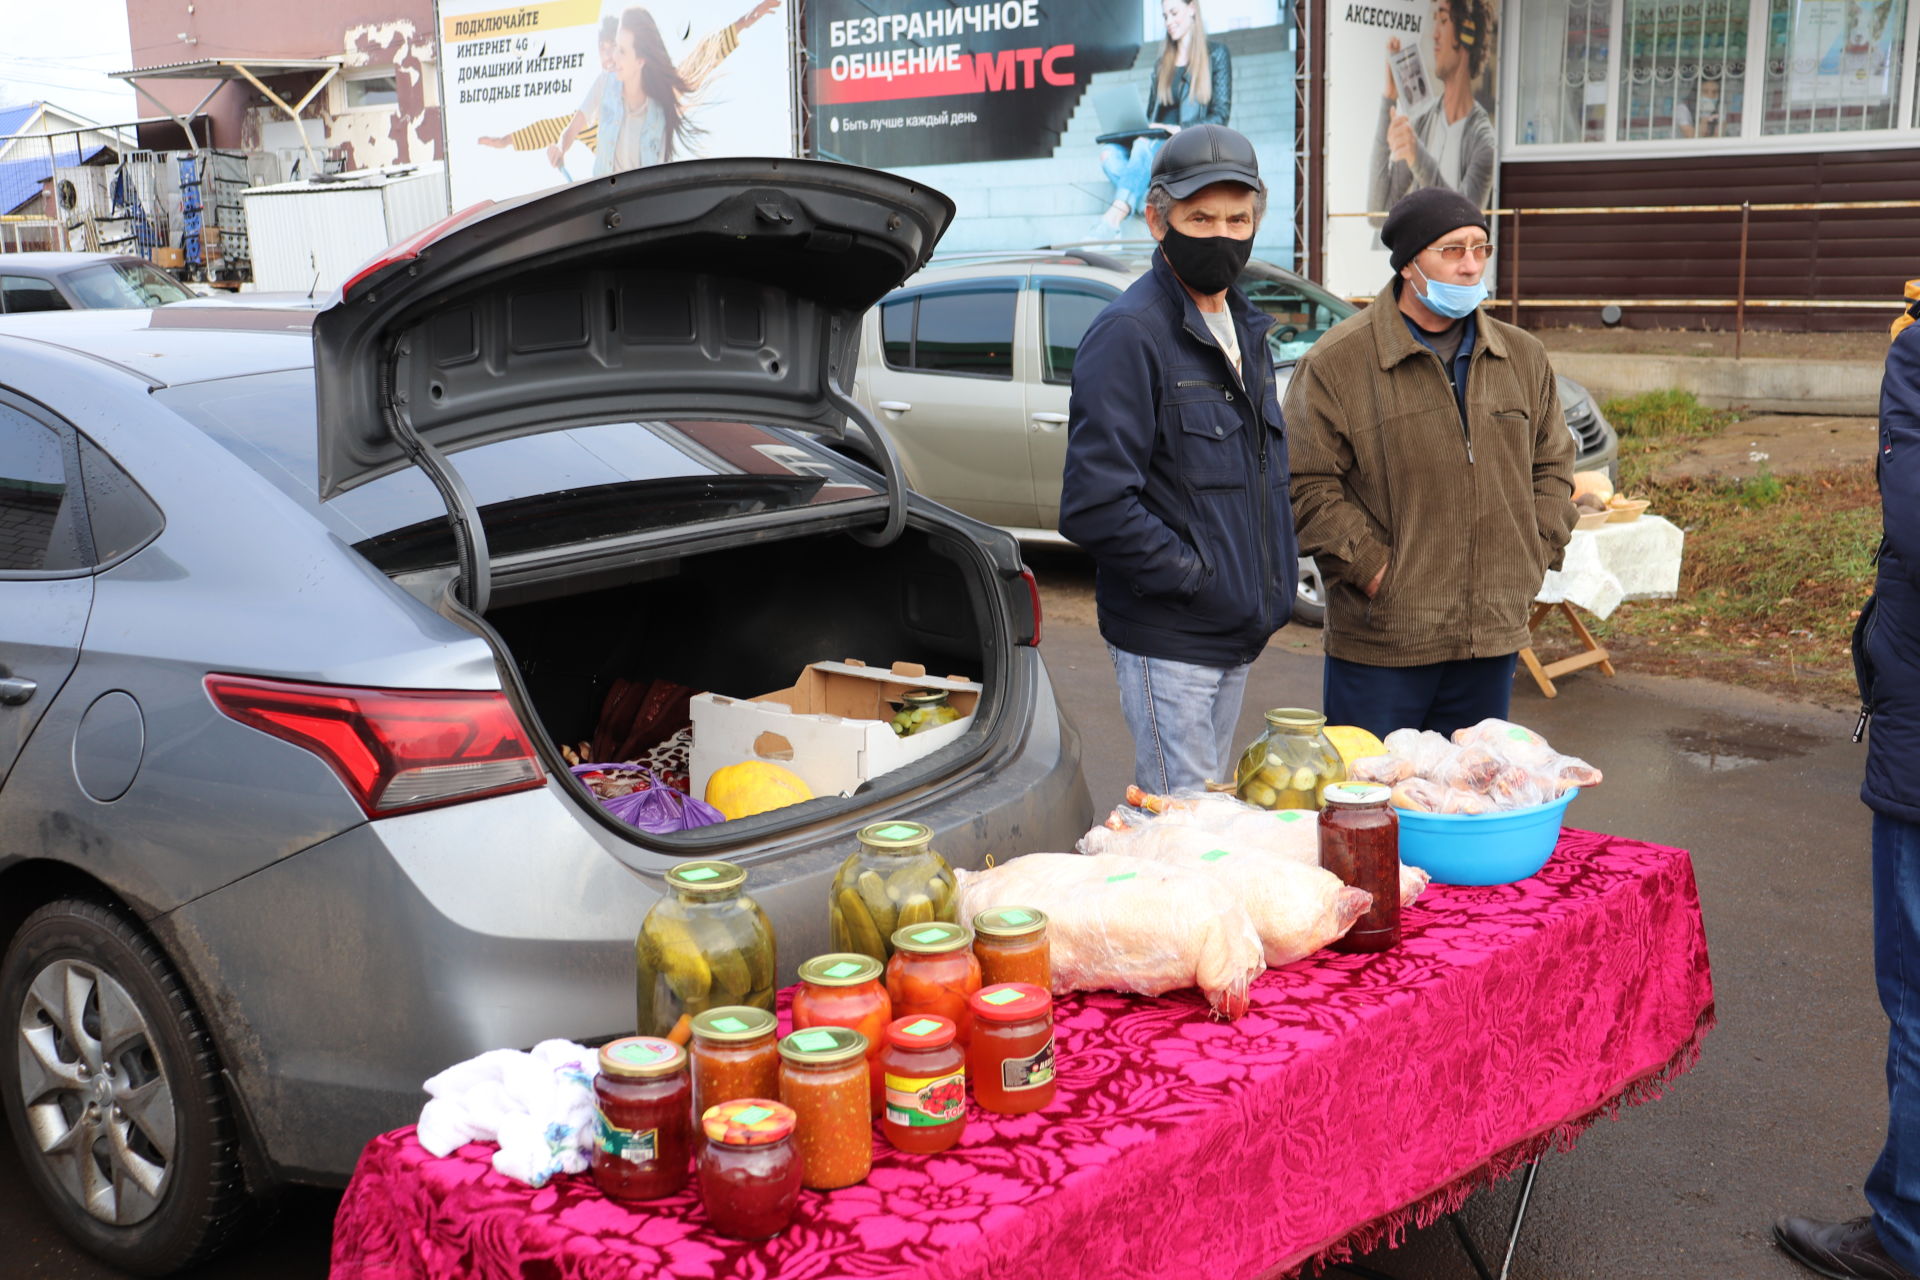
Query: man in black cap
(1433, 480)
(1176, 470)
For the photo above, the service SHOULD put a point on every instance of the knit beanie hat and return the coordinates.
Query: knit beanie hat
(1424, 216)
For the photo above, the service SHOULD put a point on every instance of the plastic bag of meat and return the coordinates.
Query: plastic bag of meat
(1554, 773)
(1128, 924)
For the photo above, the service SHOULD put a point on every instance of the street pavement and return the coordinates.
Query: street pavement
(1784, 1112)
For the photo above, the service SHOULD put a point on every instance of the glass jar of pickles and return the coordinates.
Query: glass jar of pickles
(823, 1077)
(926, 1085)
(933, 973)
(921, 710)
(843, 989)
(706, 945)
(1011, 1057)
(1290, 764)
(734, 1055)
(642, 1131)
(749, 1171)
(1011, 945)
(894, 879)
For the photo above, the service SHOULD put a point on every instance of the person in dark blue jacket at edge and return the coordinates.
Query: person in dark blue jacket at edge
(1176, 469)
(1885, 1244)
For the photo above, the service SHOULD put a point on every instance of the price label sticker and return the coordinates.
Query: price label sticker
(1014, 915)
(1214, 855)
(1124, 875)
(925, 1026)
(845, 969)
(815, 1041)
(752, 1115)
(699, 873)
(1000, 997)
(1289, 815)
(728, 1024)
(929, 935)
(898, 831)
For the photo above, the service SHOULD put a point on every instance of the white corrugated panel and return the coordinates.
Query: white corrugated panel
(415, 201)
(329, 230)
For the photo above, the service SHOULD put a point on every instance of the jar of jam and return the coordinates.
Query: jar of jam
(926, 1084)
(1360, 843)
(1290, 764)
(823, 1077)
(705, 945)
(933, 972)
(894, 879)
(1011, 945)
(749, 1171)
(842, 989)
(643, 1120)
(1011, 1058)
(734, 1056)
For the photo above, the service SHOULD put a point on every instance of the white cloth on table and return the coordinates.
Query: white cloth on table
(537, 1106)
(1627, 560)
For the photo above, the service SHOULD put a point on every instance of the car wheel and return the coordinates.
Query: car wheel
(1310, 600)
(113, 1092)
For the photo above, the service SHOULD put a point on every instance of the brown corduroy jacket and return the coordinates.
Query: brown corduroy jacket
(1467, 516)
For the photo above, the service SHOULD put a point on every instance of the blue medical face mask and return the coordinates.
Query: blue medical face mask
(1454, 301)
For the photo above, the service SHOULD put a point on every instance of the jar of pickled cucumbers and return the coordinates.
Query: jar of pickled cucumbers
(706, 945)
(921, 710)
(1290, 765)
(893, 880)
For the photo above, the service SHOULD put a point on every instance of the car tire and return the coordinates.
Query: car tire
(114, 1094)
(1310, 600)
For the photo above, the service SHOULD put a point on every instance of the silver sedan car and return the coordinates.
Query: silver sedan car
(295, 609)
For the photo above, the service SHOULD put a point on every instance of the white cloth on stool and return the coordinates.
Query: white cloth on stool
(1631, 560)
(537, 1106)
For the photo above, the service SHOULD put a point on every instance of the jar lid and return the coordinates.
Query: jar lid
(1010, 922)
(748, 1122)
(706, 877)
(824, 1046)
(641, 1057)
(932, 939)
(1011, 1002)
(1296, 718)
(921, 1031)
(895, 837)
(1357, 793)
(924, 698)
(732, 1023)
(840, 969)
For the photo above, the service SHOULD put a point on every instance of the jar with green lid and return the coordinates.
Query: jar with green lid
(705, 946)
(934, 972)
(921, 710)
(733, 1055)
(892, 880)
(823, 1077)
(1290, 764)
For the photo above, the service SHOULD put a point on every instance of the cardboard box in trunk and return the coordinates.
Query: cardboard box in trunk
(830, 727)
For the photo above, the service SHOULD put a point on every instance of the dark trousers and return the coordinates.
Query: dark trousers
(1441, 696)
(1893, 1188)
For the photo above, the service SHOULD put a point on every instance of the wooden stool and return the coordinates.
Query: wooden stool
(1592, 652)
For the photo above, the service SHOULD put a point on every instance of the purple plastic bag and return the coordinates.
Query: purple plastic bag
(658, 807)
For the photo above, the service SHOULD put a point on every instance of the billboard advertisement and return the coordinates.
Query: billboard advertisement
(559, 90)
(1410, 103)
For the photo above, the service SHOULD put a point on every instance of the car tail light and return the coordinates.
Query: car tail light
(409, 249)
(1033, 597)
(395, 749)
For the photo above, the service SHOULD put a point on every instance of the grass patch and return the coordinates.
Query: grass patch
(1656, 427)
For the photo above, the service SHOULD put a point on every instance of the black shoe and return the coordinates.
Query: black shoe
(1840, 1250)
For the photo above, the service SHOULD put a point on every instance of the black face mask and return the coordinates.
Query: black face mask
(1206, 263)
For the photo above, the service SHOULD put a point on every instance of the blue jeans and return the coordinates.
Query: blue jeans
(1441, 696)
(1893, 1188)
(1129, 170)
(1182, 718)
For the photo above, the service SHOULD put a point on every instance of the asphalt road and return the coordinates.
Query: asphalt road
(1785, 1110)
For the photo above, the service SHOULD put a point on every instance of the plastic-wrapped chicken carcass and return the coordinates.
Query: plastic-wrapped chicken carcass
(1507, 766)
(1128, 924)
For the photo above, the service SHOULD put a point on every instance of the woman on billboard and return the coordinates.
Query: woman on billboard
(1192, 84)
(1450, 143)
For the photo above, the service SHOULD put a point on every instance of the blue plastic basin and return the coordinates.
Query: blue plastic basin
(1482, 848)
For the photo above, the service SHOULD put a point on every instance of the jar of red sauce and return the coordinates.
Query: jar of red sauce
(926, 1084)
(1360, 843)
(643, 1119)
(1011, 1058)
(934, 972)
(1011, 945)
(823, 1077)
(842, 989)
(734, 1055)
(749, 1171)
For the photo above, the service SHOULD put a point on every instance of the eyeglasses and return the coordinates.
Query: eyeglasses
(1455, 252)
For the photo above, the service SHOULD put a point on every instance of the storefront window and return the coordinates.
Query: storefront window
(1563, 71)
(1682, 69)
(1833, 66)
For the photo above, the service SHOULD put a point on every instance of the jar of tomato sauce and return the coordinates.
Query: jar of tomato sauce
(933, 972)
(642, 1134)
(926, 1084)
(1011, 945)
(1011, 1058)
(749, 1171)
(1360, 843)
(734, 1055)
(823, 1077)
(842, 989)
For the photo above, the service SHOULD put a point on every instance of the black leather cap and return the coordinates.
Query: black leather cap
(1202, 154)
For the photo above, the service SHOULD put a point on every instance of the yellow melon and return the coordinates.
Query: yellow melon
(1353, 743)
(754, 786)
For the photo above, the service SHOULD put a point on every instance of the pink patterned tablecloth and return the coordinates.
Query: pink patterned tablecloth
(1358, 1095)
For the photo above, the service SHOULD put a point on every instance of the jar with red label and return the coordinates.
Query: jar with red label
(1011, 945)
(926, 1074)
(1360, 843)
(934, 972)
(842, 989)
(749, 1171)
(1011, 1058)
(823, 1077)
(734, 1055)
(643, 1119)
